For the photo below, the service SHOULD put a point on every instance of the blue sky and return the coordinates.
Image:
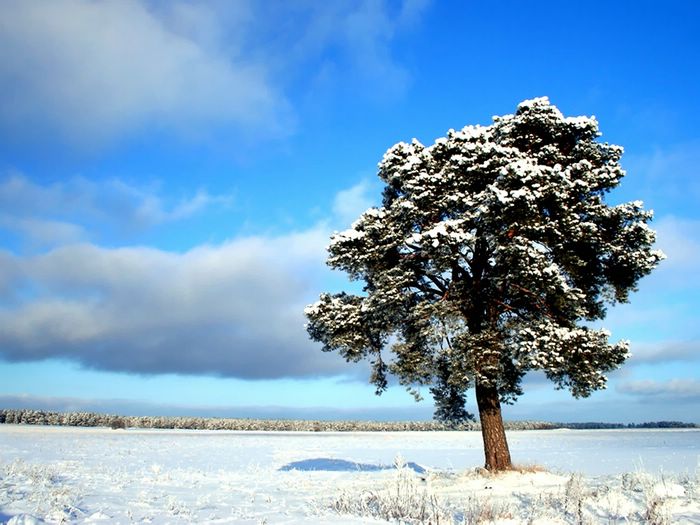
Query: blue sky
(170, 173)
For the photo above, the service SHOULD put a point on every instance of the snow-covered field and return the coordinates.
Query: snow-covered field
(95, 475)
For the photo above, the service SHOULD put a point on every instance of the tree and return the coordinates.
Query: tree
(492, 253)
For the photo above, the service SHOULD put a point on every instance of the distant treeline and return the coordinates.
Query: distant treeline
(92, 419)
(649, 424)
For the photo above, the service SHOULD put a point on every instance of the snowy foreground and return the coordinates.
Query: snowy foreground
(94, 475)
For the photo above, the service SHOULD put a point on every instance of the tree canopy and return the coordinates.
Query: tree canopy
(490, 256)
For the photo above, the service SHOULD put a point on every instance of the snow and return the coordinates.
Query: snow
(91, 475)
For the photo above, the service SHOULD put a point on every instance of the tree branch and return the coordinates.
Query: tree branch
(437, 282)
(427, 289)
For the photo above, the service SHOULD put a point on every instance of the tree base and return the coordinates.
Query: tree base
(493, 432)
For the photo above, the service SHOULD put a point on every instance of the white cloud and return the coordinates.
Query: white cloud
(54, 214)
(348, 45)
(350, 203)
(666, 178)
(145, 207)
(679, 238)
(671, 389)
(86, 72)
(233, 309)
(664, 307)
(666, 351)
(44, 232)
(190, 206)
(10, 275)
(90, 71)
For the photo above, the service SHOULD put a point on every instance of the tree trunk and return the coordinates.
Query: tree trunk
(492, 430)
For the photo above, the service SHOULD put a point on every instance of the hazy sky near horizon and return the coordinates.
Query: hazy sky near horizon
(170, 174)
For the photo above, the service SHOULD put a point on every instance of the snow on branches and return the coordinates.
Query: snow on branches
(492, 249)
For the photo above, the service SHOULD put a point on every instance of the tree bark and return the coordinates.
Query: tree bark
(492, 430)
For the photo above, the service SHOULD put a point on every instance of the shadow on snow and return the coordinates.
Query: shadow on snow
(342, 465)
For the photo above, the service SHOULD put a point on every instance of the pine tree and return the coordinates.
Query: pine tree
(490, 255)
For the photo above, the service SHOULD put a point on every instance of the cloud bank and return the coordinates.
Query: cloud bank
(232, 309)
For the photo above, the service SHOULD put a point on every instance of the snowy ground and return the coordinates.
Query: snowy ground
(56, 474)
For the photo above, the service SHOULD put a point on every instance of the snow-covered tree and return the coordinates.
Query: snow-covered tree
(491, 254)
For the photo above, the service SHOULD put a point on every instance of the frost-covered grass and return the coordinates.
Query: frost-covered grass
(39, 487)
(475, 497)
(87, 475)
(403, 500)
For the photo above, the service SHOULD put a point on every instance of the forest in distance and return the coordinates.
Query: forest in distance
(92, 419)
